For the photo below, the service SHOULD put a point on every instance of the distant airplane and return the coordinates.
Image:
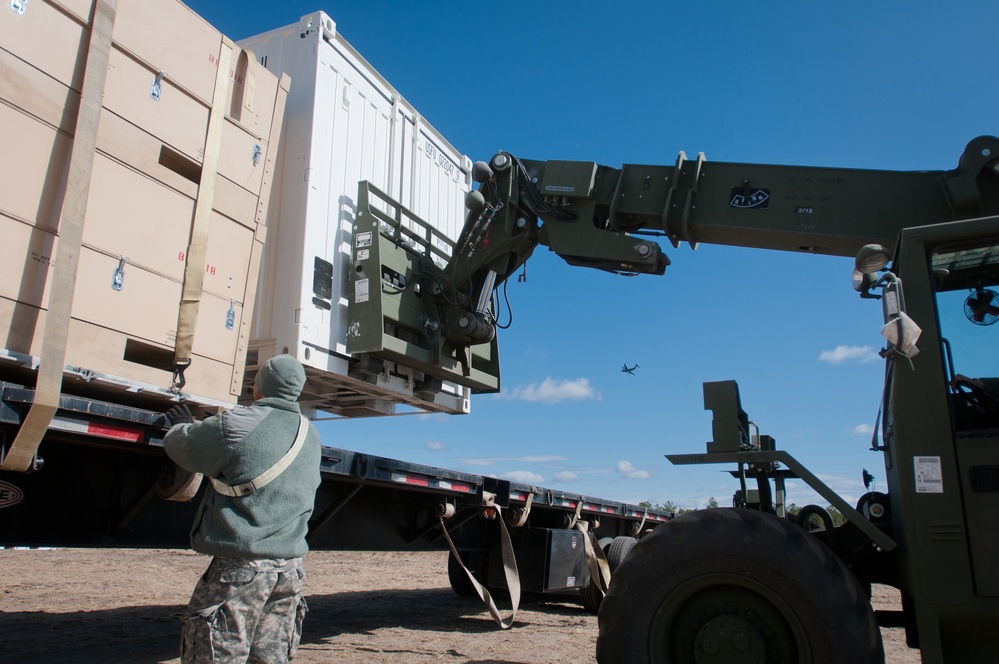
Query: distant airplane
(629, 370)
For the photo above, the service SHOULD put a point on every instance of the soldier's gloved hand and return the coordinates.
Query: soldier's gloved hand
(179, 414)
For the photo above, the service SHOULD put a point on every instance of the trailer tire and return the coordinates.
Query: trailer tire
(618, 550)
(590, 595)
(735, 585)
(460, 582)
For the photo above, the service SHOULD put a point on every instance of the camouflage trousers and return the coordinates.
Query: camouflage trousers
(245, 610)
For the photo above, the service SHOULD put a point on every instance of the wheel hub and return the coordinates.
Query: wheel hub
(728, 639)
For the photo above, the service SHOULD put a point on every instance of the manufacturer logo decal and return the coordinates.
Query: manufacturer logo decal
(10, 495)
(743, 197)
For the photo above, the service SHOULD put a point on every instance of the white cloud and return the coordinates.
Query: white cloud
(553, 391)
(565, 476)
(625, 468)
(842, 354)
(862, 429)
(436, 445)
(477, 462)
(492, 461)
(523, 476)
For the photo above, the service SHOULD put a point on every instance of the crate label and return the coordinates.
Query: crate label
(363, 239)
(363, 254)
(929, 476)
(361, 291)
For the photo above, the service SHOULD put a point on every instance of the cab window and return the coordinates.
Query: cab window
(967, 303)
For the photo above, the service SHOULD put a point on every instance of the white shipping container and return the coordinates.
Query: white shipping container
(344, 123)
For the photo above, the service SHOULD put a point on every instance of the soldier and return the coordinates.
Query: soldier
(263, 463)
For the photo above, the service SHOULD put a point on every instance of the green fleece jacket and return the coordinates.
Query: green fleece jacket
(235, 447)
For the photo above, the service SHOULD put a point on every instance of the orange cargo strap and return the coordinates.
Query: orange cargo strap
(22, 453)
(194, 269)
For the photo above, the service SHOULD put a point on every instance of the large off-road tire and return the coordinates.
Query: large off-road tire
(733, 586)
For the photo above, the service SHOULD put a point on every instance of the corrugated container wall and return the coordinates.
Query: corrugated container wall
(344, 124)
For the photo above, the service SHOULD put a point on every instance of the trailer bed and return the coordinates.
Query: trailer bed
(95, 484)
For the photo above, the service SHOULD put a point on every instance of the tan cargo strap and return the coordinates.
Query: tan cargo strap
(266, 477)
(194, 269)
(636, 528)
(176, 484)
(575, 516)
(21, 455)
(596, 560)
(510, 571)
(518, 517)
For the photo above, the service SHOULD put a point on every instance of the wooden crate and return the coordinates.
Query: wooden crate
(164, 165)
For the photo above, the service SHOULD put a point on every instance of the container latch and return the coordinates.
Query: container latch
(118, 280)
(157, 88)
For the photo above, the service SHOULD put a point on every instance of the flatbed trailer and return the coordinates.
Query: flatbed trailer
(101, 470)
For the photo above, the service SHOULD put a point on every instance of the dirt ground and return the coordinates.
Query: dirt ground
(110, 606)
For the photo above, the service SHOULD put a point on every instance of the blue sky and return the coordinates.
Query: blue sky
(882, 85)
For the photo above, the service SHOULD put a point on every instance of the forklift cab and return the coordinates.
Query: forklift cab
(940, 437)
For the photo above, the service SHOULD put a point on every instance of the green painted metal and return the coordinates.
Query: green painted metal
(396, 284)
(941, 455)
(425, 304)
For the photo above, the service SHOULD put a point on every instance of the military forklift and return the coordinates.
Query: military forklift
(753, 583)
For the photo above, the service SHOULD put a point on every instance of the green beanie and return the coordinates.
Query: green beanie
(281, 377)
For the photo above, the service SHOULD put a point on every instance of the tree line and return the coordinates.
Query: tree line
(672, 508)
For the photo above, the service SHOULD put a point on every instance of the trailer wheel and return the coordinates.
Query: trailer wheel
(590, 595)
(618, 550)
(460, 582)
(734, 586)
